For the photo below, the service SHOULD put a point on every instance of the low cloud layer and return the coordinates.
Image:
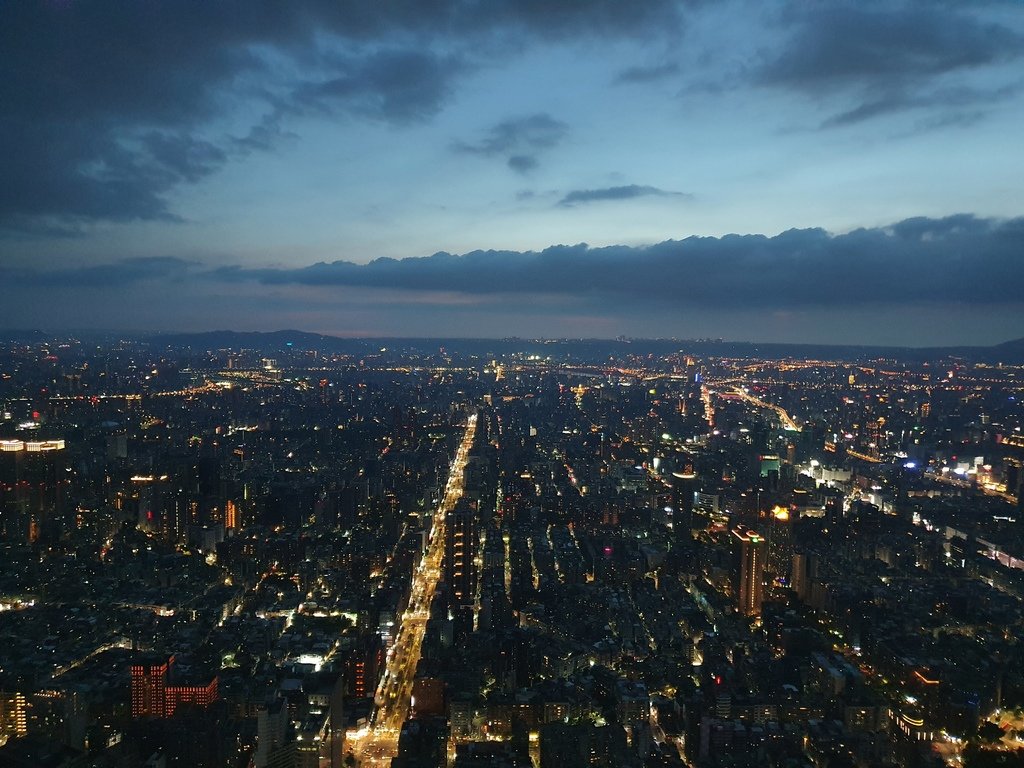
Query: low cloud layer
(961, 259)
(126, 273)
(920, 281)
(958, 258)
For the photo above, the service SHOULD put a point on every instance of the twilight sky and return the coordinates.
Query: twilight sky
(824, 172)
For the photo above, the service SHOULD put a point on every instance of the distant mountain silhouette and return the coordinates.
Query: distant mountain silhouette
(586, 349)
(25, 336)
(271, 341)
(1015, 347)
(592, 350)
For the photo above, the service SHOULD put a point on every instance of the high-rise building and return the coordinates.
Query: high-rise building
(198, 693)
(32, 485)
(151, 492)
(308, 746)
(684, 490)
(780, 545)
(336, 723)
(156, 694)
(462, 538)
(750, 572)
(708, 505)
(13, 716)
(271, 728)
(149, 684)
(1015, 481)
(799, 581)
(770, 466)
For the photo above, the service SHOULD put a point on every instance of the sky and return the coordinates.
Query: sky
(829, 172)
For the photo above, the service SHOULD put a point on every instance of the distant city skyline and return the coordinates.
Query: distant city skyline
(830, 173)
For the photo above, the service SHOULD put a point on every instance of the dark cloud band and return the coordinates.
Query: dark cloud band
(627, 192)
(963, 259)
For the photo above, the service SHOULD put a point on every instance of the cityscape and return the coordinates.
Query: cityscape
(511, 384)
(509, 553)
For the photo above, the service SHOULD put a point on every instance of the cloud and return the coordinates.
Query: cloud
(184, 156)
(395, 86)
(520, 140)
(947, 120)
(894, 102)
(119, 274)
(915, 282)
(962, 258)
(628, 192)
(108, 107)
(647, 74)
(959, 106)
(562, 19)
(887, 59)
(841, 44)
(264, 136)
(522, 163)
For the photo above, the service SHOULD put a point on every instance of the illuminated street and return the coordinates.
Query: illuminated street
(787, 421)
(378, 744)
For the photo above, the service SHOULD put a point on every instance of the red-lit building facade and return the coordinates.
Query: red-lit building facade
(156, 694)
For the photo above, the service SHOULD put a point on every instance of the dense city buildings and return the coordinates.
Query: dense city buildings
(508, 553)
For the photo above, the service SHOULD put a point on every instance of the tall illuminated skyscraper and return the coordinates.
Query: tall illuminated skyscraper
(684, 489)
(780, 545)
(1015, 480)
(32, 486)
(462, 540)
(750, 576)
